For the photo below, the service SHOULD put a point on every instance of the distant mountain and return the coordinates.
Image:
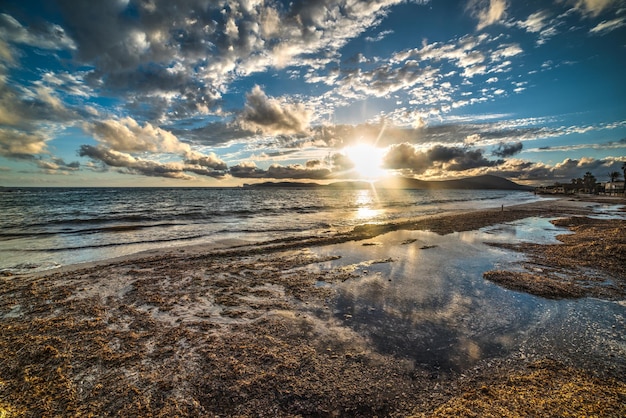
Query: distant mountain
(285, 184)
(486, 182)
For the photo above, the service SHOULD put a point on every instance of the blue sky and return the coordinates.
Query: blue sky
(220, 93)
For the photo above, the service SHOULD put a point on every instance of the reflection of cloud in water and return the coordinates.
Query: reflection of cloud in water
(433, 306)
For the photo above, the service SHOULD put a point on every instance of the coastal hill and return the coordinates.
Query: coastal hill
(485, 182)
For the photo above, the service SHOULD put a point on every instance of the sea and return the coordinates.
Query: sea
(45, 228)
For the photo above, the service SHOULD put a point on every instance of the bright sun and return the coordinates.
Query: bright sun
(367, 160)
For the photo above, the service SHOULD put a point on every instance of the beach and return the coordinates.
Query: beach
(297, 326)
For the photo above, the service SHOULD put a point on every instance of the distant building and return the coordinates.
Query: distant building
(614, 188)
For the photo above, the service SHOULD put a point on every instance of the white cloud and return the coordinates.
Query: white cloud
(127, 135)
(608, 26)
(488, 12)
(593, 7)
(506, 51)
(536, 21)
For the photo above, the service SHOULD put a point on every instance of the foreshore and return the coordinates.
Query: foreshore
(246, 329)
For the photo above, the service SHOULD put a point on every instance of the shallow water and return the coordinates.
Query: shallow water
(47, 228)
(421, 296)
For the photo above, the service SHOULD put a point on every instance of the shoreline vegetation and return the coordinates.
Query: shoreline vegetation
(243, 330)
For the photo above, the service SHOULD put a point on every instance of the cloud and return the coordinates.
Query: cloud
(607, 26)
(386, 79)
(211, 161)
(127, 135)
(124, 136)
(535, 22)
(20, 145)
(507, 150)
(487, 12)
(561, 172)
(271, 116)
(27, 118)
(133, 165)
(179, 58)
(593, 7)
(44, 36)
(312, 171)
(411, 159)
(57, 165)
(379, 37)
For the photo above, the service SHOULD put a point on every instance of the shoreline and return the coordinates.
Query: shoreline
(440, 223)
(247, 330)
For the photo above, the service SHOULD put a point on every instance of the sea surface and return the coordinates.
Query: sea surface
(44, 228)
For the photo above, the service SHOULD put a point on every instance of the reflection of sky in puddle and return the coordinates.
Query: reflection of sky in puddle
(605, 211)
(422, 296)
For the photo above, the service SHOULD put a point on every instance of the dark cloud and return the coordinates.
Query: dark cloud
(57, 165)
(211, 134)
(247, 169)
(39, 35)
(297, 171)
(507, 150)
(407, 157)
(133, 165)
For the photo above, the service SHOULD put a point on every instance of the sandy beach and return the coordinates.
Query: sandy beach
(248, 329)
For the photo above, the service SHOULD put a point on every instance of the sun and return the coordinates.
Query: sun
(367, 161)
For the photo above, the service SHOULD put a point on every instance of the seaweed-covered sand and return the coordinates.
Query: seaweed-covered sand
(249, 331)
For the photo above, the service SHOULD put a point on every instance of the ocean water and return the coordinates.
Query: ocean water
(43, 228)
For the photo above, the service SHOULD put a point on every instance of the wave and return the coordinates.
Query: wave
(105, 245)
(86, 231)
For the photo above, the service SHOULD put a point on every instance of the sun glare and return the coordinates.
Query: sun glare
(367, 161)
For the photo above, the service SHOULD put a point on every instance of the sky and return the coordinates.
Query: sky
(222, 93)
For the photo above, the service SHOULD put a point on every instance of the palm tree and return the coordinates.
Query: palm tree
(590, 182)
(614, 175)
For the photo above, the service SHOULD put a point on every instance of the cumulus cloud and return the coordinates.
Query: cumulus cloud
(271, 116)
(20, 145)
(133, 165)
(211, 161)
(411, 159)
(187, 54)
(247, 169)
(127, 135)
(487, 12)
(27, 118)
(120, 138)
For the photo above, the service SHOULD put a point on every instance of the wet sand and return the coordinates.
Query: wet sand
(245, 329)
